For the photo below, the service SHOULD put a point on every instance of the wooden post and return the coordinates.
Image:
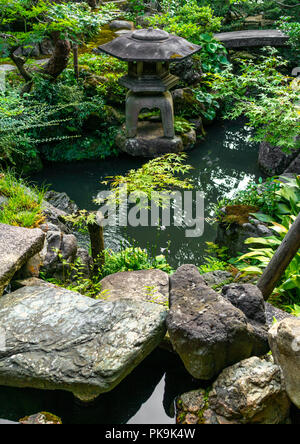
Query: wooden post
(97, 244)
(281, 260)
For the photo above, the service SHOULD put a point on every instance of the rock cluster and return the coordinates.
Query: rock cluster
(207, 331)
(250, 392)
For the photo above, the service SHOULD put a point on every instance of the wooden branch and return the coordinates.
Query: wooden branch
(60, 57)
(20, 62)
(281, 260)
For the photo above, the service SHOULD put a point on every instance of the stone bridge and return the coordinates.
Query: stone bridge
(256, 38)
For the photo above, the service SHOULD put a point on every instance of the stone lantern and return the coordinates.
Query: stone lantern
(149, 53)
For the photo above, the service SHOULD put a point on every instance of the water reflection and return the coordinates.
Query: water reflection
(145, 396)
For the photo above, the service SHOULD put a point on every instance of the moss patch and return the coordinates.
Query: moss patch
(238, 214)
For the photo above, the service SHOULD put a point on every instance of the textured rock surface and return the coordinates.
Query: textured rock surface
(272, 160)
(206, 330)
(233, 236)
(142, 285)
(275, 313)
(116, 25)
(217, 278)
(57, 244)
(17, 246)
(57, 339)
(151, 143)
(248, 298)
(61, 201)
(41, 418)
(284, 338)
(250, 392)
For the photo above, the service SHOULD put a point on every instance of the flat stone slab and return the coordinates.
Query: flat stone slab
(17, 246)
(53, 339)
(142, 285)
(256, 38)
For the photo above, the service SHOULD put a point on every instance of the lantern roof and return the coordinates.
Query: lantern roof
(150, 45)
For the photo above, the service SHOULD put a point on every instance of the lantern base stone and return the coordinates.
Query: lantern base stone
(150, 141)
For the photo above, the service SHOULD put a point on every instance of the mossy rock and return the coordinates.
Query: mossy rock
(238, 214)
(41, 418)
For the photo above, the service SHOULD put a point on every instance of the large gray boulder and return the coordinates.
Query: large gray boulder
(17, 246)
(142, 285)
(57, 339)
(206, 330)
(284, 338)
(250, 392)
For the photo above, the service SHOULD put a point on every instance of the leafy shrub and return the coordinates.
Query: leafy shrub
(132, 259)
(263, 195)
(128, 259)
(256, 260)
(264, 95)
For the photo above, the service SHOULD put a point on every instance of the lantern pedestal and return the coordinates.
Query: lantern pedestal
(150, 141)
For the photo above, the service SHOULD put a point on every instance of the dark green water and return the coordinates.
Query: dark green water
(224, 163)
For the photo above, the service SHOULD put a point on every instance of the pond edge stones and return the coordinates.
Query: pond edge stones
(206, 330)
(57, 339)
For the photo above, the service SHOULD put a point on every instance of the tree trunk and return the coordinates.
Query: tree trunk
(97, 244)
(281, 260)
(60, 57)
(75, 61)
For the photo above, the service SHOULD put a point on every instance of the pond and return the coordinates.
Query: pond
(224, 163)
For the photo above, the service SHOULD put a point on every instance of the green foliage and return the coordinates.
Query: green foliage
(21, 122)
(98, 146)
(132, 259)
(73, 21)
(182, 126)
(23, 205)
(213, 55)
(127, 259)
(213, 264)
(189, 21)
(265, 96)
(196, 24)
(207, 99)
(263, 195)
(157, 175)
(292, 29)
(256, 260)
